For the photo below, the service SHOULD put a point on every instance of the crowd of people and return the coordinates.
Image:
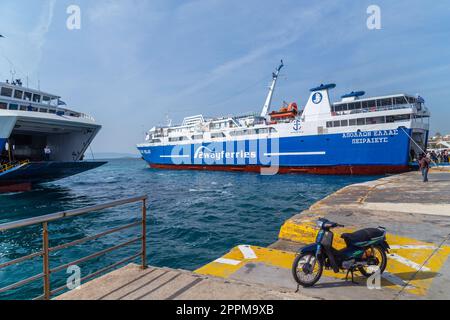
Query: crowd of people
(440, 156)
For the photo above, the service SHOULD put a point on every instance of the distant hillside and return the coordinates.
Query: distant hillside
(112, 155)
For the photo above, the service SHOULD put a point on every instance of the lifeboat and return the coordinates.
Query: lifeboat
(288, 112)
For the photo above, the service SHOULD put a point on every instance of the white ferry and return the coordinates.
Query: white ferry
(40, 139)
(357, 135)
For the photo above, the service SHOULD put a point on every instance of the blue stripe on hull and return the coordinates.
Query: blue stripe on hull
(2, 144)
(384, 148)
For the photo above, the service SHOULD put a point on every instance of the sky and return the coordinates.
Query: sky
(133, 64)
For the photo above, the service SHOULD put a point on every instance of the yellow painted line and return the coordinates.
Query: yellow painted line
(406, 267)
(268, 256)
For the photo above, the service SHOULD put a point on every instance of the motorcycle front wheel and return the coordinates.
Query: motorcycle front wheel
(379, 260)
(307, 269)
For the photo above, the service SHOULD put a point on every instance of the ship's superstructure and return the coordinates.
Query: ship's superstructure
(40, 139)
(356, 135)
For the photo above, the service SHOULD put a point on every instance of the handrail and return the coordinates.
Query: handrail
(9, 166)
(39, 105)
(374, 109)
(46, 249)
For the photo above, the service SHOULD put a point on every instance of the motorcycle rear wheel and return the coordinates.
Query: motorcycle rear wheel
(302, 272)
(380, 254)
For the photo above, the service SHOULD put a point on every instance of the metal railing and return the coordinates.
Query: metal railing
(46, 249)
(373, 109)
(9, 166)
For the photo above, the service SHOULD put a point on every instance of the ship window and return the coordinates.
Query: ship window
(217, 135)
(13, 106)
(3, 106)
(339, 108)
(386, 102)
(197, 137)
(361, 121)
(178, 139)
(365, 104)
(354, 105)
(46, 99)
(18, 94)
(263, 131)
(375, 120)
(238, 133)
(43, 110)
(402, 117)
(412, 100)
(251, 131)
(344, 123)
(368, 105)
(352, 122)
(52, 111)
(23, 108)
(336, 124)
(400, 100)
(28, 96)
(273, 130)
(6, 92)
(329, 124)
(36, 98)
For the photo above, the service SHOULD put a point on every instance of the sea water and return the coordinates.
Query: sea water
(194, 217)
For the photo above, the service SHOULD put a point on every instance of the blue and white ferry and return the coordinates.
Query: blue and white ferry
(41, 140)
(357, 135)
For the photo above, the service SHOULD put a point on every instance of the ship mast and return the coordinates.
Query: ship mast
(268, 103)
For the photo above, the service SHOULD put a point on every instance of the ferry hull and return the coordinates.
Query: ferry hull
(379, 152)
(326, 170)
(23, 178)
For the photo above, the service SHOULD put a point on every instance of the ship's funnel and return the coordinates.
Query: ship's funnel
(319, 103)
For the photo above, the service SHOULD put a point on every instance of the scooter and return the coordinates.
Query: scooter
(365, 252)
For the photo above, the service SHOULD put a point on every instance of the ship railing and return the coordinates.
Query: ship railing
(374, 109)
(12, 165)
(33, 106)
(46, 250)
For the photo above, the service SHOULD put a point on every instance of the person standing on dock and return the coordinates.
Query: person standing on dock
(47, 153)
(424, 164)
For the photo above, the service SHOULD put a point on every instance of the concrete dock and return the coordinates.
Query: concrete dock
(415, 214)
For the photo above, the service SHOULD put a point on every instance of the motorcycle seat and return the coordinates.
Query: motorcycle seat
(362, 236)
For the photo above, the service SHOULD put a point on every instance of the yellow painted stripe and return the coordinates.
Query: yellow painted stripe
(306, 232)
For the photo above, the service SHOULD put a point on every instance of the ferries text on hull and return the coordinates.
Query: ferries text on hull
(356, 135)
